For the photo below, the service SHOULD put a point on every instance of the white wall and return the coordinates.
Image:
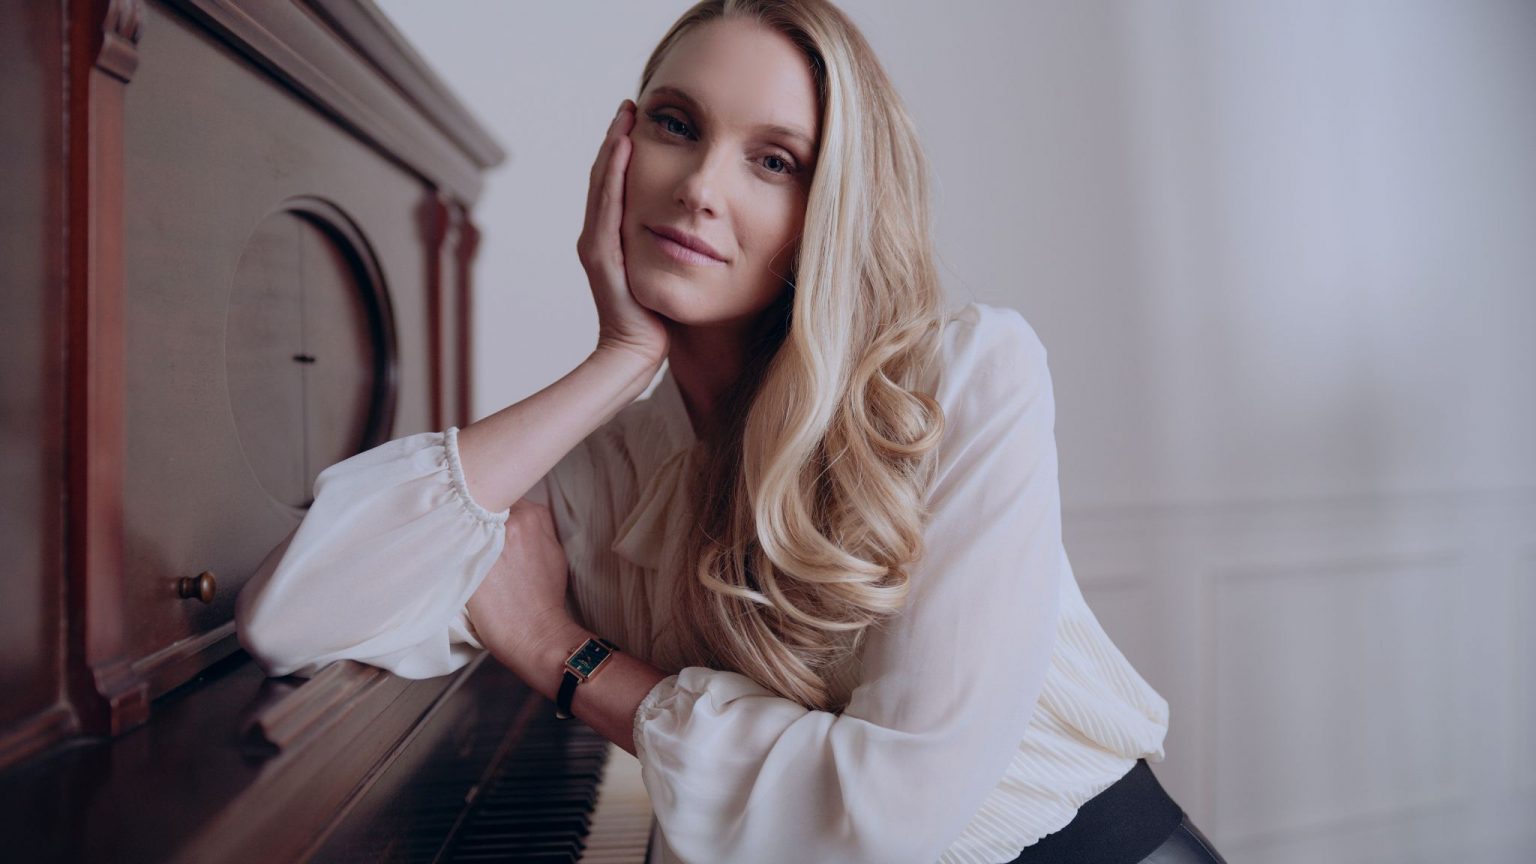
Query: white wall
(1283, 256)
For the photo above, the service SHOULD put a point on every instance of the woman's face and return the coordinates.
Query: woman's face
(724, 143)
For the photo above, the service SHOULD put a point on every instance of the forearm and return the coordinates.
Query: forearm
(504, 454)
(607, 702)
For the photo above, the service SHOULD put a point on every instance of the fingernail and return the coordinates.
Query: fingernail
(619, 112)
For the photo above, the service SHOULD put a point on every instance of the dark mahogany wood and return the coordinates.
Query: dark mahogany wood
(238, 250)
(201, 782)
(34, 384)
(463, 263)
(107, 694)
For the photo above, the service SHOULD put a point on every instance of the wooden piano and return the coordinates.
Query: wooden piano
(238, 241)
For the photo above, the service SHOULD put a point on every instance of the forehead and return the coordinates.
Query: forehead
(743, 73)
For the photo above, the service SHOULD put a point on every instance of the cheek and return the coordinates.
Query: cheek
(644, 185)
(779, 223)
(645, 169)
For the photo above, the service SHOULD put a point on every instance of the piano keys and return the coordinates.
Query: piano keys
(497, 778)
(623, 823)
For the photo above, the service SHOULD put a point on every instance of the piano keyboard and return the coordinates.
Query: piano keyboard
(495, 777)
(621, 824)
(564, 795)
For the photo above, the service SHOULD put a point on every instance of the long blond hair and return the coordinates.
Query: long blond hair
(809, 496)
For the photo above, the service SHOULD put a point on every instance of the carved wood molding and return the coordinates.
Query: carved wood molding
(171, 666)
(108, 695)
(297, 47)
(451, 239)
(436, 221)
(372, 35)
(468, 237)
(119, 54)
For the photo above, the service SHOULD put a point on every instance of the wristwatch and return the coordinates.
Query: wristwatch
(583, 663)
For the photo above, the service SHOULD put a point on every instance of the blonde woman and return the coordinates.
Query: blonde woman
(815, 581)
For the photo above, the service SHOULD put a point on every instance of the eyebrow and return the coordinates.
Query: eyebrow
(775, 128)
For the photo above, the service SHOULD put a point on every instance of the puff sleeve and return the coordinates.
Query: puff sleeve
(948, 687)
(380, 568)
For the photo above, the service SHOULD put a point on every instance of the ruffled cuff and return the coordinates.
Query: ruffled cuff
(461, 487)
(665, 689)
(380, 569)
(692, 701)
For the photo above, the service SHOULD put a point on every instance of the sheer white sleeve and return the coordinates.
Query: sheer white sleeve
(738, 774)
(380, 568)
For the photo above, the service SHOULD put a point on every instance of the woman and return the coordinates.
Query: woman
(826, 551)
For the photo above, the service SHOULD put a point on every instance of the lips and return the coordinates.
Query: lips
(683, 238)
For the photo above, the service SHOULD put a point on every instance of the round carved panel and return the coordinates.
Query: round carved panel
(309, 353)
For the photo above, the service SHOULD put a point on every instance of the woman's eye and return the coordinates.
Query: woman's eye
(789, 167)
(664, 119)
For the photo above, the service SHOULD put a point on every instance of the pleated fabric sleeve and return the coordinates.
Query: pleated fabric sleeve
(381, 567)
(947, 688)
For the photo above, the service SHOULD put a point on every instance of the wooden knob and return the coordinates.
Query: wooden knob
(202, 587)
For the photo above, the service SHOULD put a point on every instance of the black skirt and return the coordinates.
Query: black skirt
(1130, 822)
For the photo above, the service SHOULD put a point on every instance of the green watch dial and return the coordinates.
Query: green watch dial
(587, 657)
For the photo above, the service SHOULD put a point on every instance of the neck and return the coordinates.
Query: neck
(706, 361)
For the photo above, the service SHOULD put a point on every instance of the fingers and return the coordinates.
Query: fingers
(608, 138)
(618, 131)
(611, 203)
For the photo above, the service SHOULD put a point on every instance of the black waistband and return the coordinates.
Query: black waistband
(1121, 825)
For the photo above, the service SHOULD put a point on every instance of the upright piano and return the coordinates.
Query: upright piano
(238, 244)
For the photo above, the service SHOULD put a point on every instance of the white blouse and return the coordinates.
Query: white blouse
(976, 721)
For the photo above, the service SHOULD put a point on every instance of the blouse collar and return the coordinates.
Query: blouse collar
(643, 537)
(674, 414)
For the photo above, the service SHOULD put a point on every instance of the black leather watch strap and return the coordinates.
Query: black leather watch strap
(567, 690)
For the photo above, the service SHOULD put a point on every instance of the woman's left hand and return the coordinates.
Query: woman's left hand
(521, 604)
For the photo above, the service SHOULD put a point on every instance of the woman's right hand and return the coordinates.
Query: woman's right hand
(622, 322)
(522, 598)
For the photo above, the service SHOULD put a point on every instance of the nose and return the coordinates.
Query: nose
(701, 187)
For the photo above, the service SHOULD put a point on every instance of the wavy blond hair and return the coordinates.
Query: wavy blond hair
(809, 497)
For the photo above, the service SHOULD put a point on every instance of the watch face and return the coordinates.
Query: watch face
(587, 657)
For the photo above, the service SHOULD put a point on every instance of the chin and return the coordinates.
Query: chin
(661, 293)
(682, 300)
